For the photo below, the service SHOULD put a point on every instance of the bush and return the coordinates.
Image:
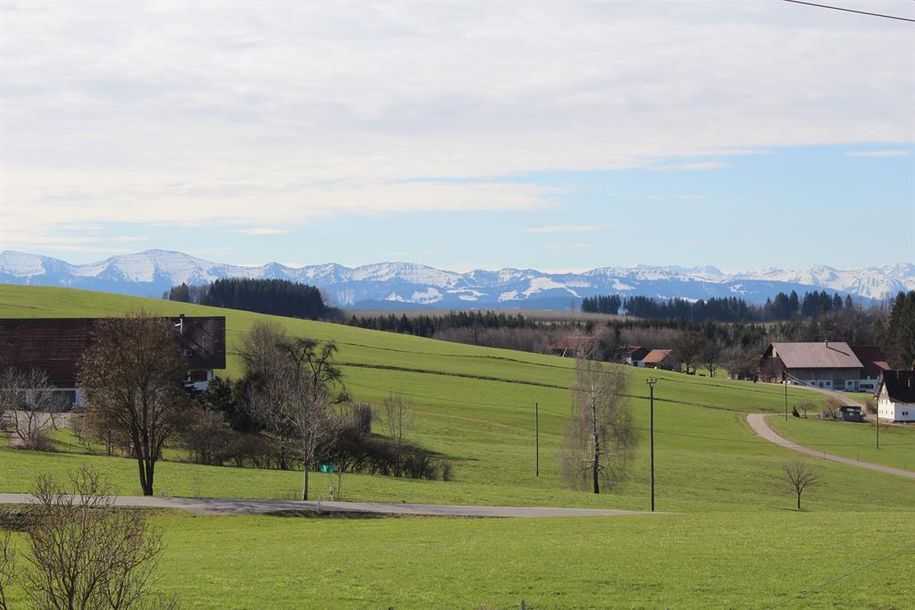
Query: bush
(356, 451)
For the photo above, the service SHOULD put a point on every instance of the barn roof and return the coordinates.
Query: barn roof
(872, 359)
(819, 355)
(656, 356)
(900, 385)
(56, 345)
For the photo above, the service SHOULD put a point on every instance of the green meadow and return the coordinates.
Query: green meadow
(853, 440)
(733, 539)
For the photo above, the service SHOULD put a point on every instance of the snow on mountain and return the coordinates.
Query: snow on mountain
(153, 272)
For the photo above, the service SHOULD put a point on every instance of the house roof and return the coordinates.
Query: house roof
(819, 355)
(656, 356)
(56, 345)
(636, 352)
(900, 385)
(872, 359)
(571, 343)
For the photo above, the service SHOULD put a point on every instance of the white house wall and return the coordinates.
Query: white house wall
(894, 411)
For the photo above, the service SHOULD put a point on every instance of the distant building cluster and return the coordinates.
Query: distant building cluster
(825, 365)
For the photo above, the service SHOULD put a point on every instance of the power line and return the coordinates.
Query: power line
(850, 10)
(857, 568)
(467, 403)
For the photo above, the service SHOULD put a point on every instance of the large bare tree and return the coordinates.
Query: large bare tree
(293, 386)
(600, 439)
(133, 376)
(30, 403)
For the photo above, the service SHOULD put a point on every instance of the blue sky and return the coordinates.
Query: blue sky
(561, 137)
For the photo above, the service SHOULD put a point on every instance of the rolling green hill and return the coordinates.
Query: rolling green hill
(475, 406)
(735, 542)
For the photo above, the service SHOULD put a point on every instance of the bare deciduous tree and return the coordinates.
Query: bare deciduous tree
(84, 553)
(7, 567)
(600, 439)
(710, 355)
(800, 476)
(31, 403)
(397, 416)
(293, 388)
(133, 375)
(805, 406)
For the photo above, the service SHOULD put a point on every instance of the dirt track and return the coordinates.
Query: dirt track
(758, 422)
(228, 506)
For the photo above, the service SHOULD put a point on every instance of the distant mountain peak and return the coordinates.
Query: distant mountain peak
(154, 271)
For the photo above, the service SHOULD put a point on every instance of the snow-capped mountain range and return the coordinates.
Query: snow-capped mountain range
(401, 285)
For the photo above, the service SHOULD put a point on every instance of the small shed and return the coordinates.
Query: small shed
(850, 413)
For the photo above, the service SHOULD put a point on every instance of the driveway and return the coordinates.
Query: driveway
(227, 506)
(758, 422)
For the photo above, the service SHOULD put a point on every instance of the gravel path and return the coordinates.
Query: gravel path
(758, 422)
(210, 506)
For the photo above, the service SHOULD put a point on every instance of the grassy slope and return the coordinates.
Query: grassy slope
(706, 456)
(737, 545)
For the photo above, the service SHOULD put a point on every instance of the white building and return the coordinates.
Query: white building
(896, 396)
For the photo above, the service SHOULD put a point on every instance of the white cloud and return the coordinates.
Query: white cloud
(879, 153)
(698, 165)
(573, 246)
(263, 231)
(564, 229)
(190, 112)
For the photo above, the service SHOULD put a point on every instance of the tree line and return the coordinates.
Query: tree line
(900, 331)
(784, 306)
(275, 297)
(431, 325)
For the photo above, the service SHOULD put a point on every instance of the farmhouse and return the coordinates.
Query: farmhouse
(56, 345)
(571, 346)
(873, 363)
(827, 364)
(896, 396)
(660, 359)
(632, 354)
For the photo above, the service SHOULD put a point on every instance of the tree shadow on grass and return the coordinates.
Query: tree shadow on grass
(323, 514)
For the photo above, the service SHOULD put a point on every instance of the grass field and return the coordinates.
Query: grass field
(735, 541)
(853, 440)
(717, 560)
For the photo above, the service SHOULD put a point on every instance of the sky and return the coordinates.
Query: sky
(556, 136)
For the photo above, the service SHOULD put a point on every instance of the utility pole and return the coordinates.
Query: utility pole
(651, 381)
(877, 424)
(537, 436)
(785, 381)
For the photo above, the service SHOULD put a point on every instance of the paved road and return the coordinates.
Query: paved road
(222, 506)
(758, 422)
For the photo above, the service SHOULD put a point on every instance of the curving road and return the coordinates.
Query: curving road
(758, 422)
(229, 506)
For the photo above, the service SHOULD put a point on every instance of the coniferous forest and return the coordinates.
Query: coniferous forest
(276, 297)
